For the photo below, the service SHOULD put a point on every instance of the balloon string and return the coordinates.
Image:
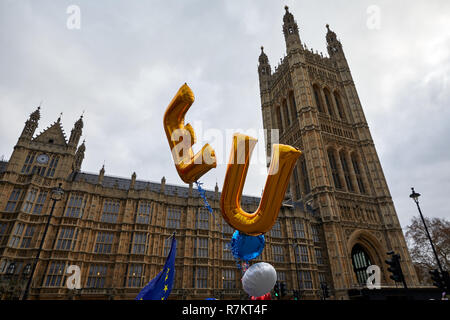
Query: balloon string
(202, 193)
(244, 265)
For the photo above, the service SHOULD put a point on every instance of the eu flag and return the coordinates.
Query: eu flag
(160, 287)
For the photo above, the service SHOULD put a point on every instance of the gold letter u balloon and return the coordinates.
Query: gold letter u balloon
(181, 137)
(281, 166)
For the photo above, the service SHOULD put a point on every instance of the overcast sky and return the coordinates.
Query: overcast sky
(128, 59)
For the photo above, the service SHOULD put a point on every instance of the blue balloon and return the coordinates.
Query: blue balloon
(246, 247)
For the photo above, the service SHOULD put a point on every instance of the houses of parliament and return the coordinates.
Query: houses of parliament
(337, 219)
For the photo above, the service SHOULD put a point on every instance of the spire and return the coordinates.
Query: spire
(36, 115)
(31, 124)
(101, 175)
(76, 132)
(79, 157)
(334, 46)
(290, 30)
(163, 184)
(264, 65)
(133, 180)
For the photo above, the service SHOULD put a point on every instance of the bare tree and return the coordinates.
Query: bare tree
(420, 248)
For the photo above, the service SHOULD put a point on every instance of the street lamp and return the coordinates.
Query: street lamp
(415, 196)
(56, 195)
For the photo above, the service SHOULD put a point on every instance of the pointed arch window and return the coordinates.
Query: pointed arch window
(306, 185)
(346, 170)
(279, 121)
(334, 169)
(317, 98)
(293, 106)
(358, 174)
(360, 261)
(28, 162)
(286, 113)
(337, 99)
(328, 102)
(296, 184)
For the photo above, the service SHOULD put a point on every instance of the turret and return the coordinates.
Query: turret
(264, 70)
(334, 46)
(31, 125)
(76, 133)
(290, 30)
(79, 156)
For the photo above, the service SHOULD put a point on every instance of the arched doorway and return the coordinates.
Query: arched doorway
(360, 261)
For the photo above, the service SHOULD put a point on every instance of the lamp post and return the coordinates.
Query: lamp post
(415, 196)
(56, 195)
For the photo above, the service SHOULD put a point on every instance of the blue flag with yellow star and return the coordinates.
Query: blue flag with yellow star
(160, 286)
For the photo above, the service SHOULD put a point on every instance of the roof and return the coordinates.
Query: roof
(3, 165)
(170, 190)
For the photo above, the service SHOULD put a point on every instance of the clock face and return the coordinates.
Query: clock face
(42, 158)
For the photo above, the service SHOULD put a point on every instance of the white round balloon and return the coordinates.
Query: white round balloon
(259, 279)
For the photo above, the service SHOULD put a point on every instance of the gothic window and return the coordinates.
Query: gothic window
(75, 206)
(52, 167)
(275, 232)
(167, 246)
(201, 277)
(66, 239)
(317, 98)
(305, 280)
(110, 211)
(14, 199)
(144, 212)
(358, 174)
(135, 276)
(104, 242)
(278, 253)
(97, 276)
(298, 229)
(17, 235)
(226, 228)
(319, 257)
(334, 169)
(286, 113)
(202, 221)
(28, 161)
(229, 279)
(29, 200)
(306, 185)
(328, 102)
(40, 202)
(360, 261)
(346, 170)
(293, 106)
(3, 229)
(279, 120)
(55, 274)
(337, 99)
(201, 247)
(301, 254)
(227, 255)
(173, 218)
(315, 233)
(28, 236)
(281, 276)
(139, 243)
(296, 184)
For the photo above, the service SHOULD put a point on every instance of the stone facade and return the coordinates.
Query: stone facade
(312, 100)
(116, 230)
